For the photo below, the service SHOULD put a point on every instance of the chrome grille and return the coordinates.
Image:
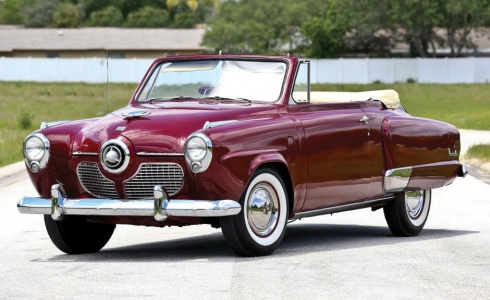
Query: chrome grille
(140, 186)
(94, 182)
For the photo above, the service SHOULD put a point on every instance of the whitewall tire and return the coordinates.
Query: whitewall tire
(407, 214)
(260, 226)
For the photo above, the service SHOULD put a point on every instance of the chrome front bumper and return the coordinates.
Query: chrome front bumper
(160, 207)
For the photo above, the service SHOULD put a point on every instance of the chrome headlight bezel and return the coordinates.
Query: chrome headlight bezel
(198, 151)
(37, 163)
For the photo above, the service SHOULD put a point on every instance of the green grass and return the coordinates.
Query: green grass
(464, 105)
(21, 102)
(481, 152)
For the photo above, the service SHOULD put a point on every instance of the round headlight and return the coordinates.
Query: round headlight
(196, 148)
(34, 148)
(36, 151)
(198, 152)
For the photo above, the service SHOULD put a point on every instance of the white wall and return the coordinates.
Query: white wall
(93, 70)
(359, 70)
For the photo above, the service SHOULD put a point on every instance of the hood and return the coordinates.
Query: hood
(164, 127)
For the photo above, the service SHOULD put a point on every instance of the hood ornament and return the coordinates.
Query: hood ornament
(135, 114)
(208, 124)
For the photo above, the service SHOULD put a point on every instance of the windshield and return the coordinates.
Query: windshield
(217, 79)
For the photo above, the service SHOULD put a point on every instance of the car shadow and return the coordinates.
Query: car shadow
(299, 239)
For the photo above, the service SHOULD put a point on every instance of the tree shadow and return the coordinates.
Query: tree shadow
(299, 239)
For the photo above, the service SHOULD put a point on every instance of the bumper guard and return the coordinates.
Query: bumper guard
(160, 207)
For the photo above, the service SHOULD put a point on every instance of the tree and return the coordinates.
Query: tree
(125, 6)
(148, 17)
(461, 17)
(325, 39)
(255, 26)
(40, 13)
(106, 17)
(66, 16)
(325, 35)
(414, 22)
(207, 10)
(130, 6)
(376, 25)
(183, 20)
(10, 12)
(367, 24)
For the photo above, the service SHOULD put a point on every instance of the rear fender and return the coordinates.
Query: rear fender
(419, 153)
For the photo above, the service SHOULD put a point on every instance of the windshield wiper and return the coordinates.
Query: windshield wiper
(225, 98)
(156, 99)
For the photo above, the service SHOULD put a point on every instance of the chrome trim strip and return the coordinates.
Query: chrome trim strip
(45, 125)
(397, 179)
(208, 124)
(80, 153)
(340, 208)
(160, 207)
(159, 154)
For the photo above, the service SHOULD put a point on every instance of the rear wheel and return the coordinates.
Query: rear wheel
(259, 228)
(407, 214)
(74, 235)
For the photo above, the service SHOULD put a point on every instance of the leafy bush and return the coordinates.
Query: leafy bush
(25, 120)
(110, 16)
(148, 17)
(183, 20)
(66, 16)
(40, 13)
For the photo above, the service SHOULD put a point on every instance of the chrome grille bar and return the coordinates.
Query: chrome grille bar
(94, 182)
(140, 186)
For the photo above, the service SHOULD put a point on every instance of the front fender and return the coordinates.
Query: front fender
(238, 150)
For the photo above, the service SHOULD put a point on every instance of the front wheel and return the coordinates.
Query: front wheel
(259, 228)
(407, 214)
(74, 235)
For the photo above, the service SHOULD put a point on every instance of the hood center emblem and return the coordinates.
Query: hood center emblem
(113, 156)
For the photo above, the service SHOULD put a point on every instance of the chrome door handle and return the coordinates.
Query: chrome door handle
(364, 119)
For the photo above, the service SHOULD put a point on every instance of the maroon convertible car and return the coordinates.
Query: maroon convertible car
(237, 142)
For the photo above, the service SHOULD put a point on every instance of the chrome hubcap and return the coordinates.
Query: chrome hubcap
(262, 209)
(415, 203)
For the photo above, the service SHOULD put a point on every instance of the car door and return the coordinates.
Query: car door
(339, 153)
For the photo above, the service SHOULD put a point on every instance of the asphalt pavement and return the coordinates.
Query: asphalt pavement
(350, 255)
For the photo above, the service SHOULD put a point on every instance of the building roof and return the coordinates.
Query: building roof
(92, 38)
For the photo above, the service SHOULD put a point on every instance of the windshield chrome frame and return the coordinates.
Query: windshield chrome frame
(224, 58)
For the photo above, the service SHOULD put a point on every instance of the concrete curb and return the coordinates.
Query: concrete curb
(470, 137)
(12, 173)
(12, 169)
